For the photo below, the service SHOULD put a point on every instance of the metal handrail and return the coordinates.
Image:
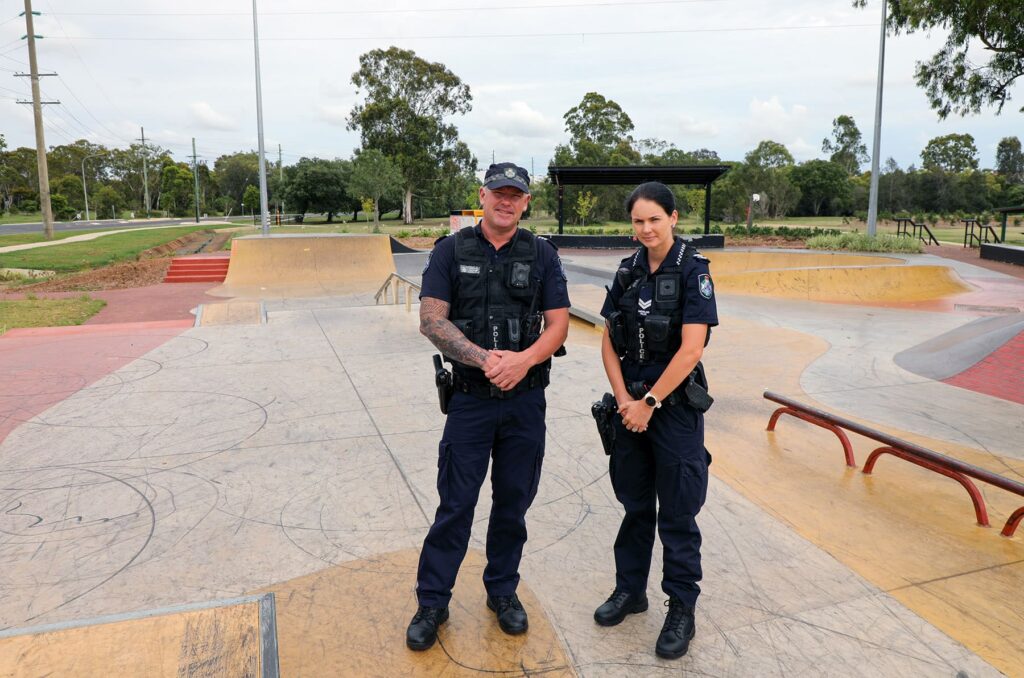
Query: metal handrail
(397, 279)
(940, 463)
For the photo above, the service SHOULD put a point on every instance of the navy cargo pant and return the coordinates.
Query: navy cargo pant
(661, 478)
(512, 431)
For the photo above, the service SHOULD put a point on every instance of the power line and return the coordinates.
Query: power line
(478, 36)
(401, 10)
(91, 77)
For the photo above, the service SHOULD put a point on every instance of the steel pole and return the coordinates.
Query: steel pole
(876, 147)
(264, 215)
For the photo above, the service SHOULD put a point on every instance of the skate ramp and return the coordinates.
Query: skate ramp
(223, 638)
(300, 265)
(741, 261)
(854, 284)
(350, 619)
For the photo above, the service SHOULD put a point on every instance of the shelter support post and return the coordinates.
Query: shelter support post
(707, 208)
(561, 208)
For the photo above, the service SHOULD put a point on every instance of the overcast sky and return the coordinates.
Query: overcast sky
(719, 74)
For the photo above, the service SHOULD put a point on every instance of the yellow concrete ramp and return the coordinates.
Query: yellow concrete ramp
(855, 284)
(300, 265)
(225, 638)
(350, 620)
(741, 260)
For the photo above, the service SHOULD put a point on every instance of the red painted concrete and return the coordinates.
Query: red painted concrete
(1000, 374)
(211, 269)
(41, 367)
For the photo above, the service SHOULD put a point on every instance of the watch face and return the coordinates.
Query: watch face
(650, 400)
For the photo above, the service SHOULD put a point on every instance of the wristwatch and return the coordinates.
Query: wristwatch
(652, 400)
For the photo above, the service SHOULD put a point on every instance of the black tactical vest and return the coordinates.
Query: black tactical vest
(656, 337)
(495, 304)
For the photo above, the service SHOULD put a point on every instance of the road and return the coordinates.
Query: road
(105, 225)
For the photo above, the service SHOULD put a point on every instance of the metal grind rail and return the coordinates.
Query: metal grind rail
(391, 287)
(915, 454)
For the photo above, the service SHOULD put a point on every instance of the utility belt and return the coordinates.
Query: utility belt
(537, 377)
(693, 391)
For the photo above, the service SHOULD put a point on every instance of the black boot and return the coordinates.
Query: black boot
(678, 630)
(618, 605)
(511, 615)
(422, 631)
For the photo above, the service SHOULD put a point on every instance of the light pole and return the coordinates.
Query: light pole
(85, 189)
(876, 146)
(264, 216)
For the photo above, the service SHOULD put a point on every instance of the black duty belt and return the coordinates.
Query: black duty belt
(535, 378)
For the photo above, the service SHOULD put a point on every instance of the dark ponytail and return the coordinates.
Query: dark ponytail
(655, 191)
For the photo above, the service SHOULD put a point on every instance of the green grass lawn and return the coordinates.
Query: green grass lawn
(25, 238)
(48, 312)
(102, 251)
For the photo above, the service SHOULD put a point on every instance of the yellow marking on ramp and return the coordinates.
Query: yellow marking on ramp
(909, 531)
(220, 641)
(297, 265)
(231, 313)
(851, 284)
(741, 261)
(350, 620)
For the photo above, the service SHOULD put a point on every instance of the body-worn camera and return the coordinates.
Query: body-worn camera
(519, 277)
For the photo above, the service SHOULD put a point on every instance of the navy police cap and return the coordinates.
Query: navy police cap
(507, 174)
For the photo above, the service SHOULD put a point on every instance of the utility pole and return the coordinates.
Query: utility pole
(145, 171)
(259, 126)
(37, 113)
(195, 175)
(877, 146)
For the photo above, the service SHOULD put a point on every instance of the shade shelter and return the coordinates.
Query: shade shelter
(688, 175)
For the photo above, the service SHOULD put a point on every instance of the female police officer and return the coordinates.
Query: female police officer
(659, 312)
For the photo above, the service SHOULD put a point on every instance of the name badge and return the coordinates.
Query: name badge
(470, 270)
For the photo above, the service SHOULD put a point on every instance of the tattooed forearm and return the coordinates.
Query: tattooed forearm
(434, 325)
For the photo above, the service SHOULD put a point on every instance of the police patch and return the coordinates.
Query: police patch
(427, 265)
(510, 173)
(471, 270)
(704, 285)
(561, 268)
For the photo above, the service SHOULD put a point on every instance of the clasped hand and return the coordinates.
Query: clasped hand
(635, 415)
(505, 369)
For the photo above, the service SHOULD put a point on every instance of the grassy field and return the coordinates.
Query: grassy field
(48, 312)
(102, 251)
(26, 238)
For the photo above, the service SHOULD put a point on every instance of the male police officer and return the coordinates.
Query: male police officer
(485, 291)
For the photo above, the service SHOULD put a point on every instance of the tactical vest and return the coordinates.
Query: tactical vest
(656, 337)
(495, 304)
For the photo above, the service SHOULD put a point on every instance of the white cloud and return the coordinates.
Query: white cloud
(334, 114)
(207, 117)
(770, 119)
(518, 119)
(688, 125)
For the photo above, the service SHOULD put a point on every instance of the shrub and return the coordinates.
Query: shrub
(861, 242)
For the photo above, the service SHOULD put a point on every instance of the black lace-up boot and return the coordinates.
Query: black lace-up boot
(422, 631)
(511, 615)
(678, 630)
(618, 605)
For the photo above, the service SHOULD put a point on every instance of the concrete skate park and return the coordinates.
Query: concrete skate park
(244, 491)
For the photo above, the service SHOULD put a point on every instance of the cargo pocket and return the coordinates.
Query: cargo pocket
(444, 459)
(692, 484)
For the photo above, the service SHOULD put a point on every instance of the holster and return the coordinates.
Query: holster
(445, 384)
(693, 391)
(604, 411)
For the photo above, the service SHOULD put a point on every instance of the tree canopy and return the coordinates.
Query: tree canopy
(846, 148)
(597, 120)
(954, 81)
(1010, 159)
(950, 153)
(402, 114)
